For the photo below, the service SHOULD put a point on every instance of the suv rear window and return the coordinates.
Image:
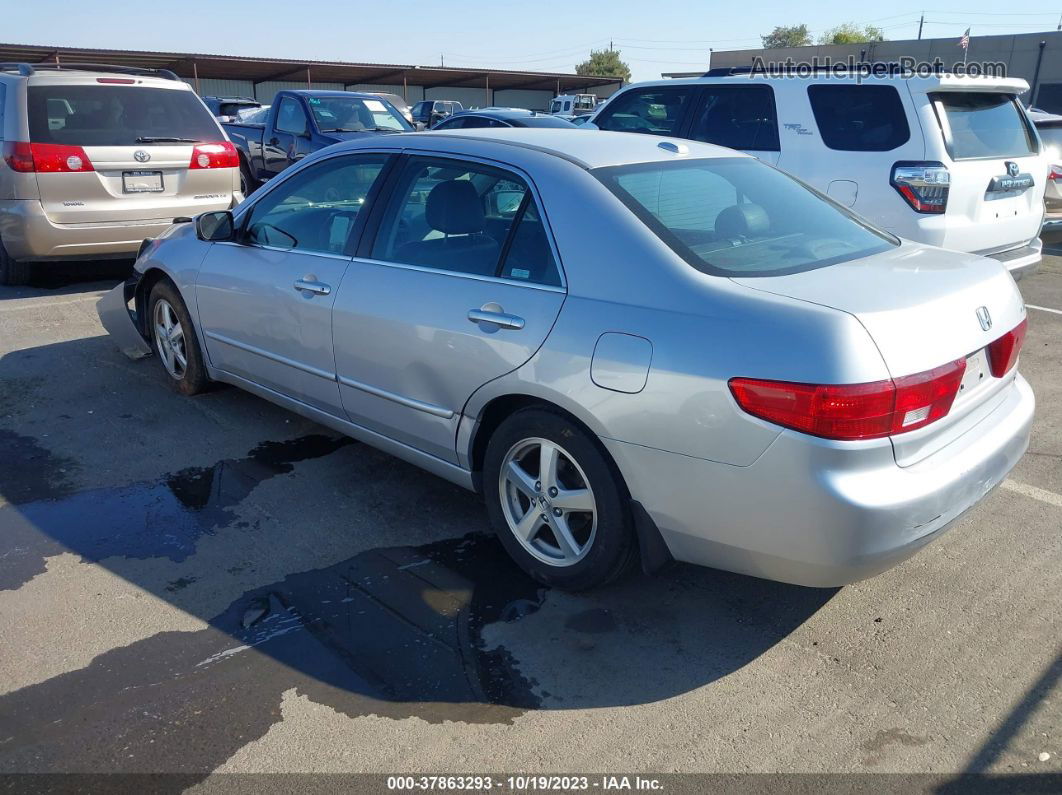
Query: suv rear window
(979, 125)
(113, 115)
(859, 118)
(735, 216)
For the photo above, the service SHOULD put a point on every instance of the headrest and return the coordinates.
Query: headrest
(742, 220)
(454, 208)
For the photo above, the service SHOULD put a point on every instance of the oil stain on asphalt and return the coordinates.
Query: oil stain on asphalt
(164, 518)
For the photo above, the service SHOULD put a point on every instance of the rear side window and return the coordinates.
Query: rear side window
(116, 115)
(977, 125)
(1051, 135)
(738, 117)
(859, 118)
(657, 111)
(740, 217)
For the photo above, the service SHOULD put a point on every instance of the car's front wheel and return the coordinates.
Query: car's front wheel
(173, 338)
(556, 501)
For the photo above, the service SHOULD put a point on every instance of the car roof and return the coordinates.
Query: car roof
(574, 145)
(502, 113)
(313, 92)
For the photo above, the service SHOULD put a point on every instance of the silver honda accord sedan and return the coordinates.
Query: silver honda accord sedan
(636, 349)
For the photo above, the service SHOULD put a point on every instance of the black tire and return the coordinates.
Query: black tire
(610, 550)
(12, 273)
(192, 378)
(248, 184)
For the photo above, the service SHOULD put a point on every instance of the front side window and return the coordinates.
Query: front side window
(658, 111)
(116, 115)
(741, 217)
(738, 117)
(353, 114)
(316, 210)
(290, 117)
(468, 218)
(859, 118)
(977, 124)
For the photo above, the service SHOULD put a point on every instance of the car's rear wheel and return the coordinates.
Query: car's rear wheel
(173, 338)
(247, 182)
(12, 273)
(556, 501)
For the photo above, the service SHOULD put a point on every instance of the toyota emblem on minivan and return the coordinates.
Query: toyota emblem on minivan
(1012, 168)
(141, 156)
(984, 318)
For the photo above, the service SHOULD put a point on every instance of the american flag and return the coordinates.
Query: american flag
(964, 42)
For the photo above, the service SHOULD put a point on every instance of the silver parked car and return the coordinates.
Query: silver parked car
(632, 347)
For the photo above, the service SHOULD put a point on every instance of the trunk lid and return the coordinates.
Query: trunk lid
(920, 306)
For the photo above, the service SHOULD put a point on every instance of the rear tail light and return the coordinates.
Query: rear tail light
(1003, 353)
(122, 81)
(1054, 173)
(45, 158)
(219, 155)
(853, 411)
(924, 186)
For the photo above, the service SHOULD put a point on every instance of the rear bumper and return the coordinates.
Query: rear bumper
(28, 234)
(1020, 261)
(819, 513)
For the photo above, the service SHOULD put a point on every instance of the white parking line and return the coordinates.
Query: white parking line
(33, 303)
(1032, 491)
(1044, 309)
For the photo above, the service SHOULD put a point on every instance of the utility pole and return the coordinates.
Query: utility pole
(922, 21)
(442, 61)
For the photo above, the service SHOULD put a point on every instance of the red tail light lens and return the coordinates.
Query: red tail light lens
(1054, 173)
(45, 158)
(219, 155)
(924, 186)
(1003, 353)
(853, 411)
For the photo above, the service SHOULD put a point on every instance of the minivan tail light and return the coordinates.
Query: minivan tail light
(853, 411)
(1054, 172)
(1003, 353)
(218, 155)
(27, 158)
(923, 185)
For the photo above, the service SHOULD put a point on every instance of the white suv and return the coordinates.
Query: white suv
(947, 160)
(97, 158)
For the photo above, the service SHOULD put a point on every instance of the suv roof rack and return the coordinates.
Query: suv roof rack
(23, 69)
(105, 67)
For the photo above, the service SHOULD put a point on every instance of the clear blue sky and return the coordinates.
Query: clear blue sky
(654, 36)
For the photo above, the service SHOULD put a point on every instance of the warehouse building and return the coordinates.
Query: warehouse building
(1035, 57)
(261, 78)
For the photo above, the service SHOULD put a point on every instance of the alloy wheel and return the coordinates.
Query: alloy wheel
(169, 339)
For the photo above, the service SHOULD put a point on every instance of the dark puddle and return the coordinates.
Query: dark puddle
(391, 632)
(143, 520)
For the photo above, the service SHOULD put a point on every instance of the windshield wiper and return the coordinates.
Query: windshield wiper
(165, 139)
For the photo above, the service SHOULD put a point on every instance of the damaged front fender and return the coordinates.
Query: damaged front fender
(113, 309)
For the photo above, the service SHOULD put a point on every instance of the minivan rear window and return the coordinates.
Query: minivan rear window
(860, 118)
(977, 125)
(116, 115)
(741, 217)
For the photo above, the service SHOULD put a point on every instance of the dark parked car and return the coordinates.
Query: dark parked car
(432, 111)
(229, 108)
(500, 117)
(301, 122)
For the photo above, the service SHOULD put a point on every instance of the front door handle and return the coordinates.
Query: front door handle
(499, 319)
(311, 286)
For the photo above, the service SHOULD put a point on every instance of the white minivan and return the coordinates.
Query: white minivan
(948, 160)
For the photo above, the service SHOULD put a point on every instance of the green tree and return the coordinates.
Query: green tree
(787, 36)
(604, 63)
(851, 33)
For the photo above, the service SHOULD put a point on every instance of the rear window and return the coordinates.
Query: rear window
(740, 217)
(542, 121)
(115, 115)
(859, 118)
(977, 125)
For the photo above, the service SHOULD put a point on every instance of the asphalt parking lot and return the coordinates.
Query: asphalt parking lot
(216, 585)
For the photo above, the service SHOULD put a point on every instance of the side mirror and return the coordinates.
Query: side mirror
(215, 226)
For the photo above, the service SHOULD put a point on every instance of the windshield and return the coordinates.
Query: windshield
(353, 114)
(979, 125)
(117, 115)
(740, 217)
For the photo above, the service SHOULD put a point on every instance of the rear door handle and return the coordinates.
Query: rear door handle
(307, 286)
(499, 319)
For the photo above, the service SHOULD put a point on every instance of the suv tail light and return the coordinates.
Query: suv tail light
(45, 158)
(853, 411)
(1054, 172)
(219, 155)
(1003, 353)
(924, 186)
